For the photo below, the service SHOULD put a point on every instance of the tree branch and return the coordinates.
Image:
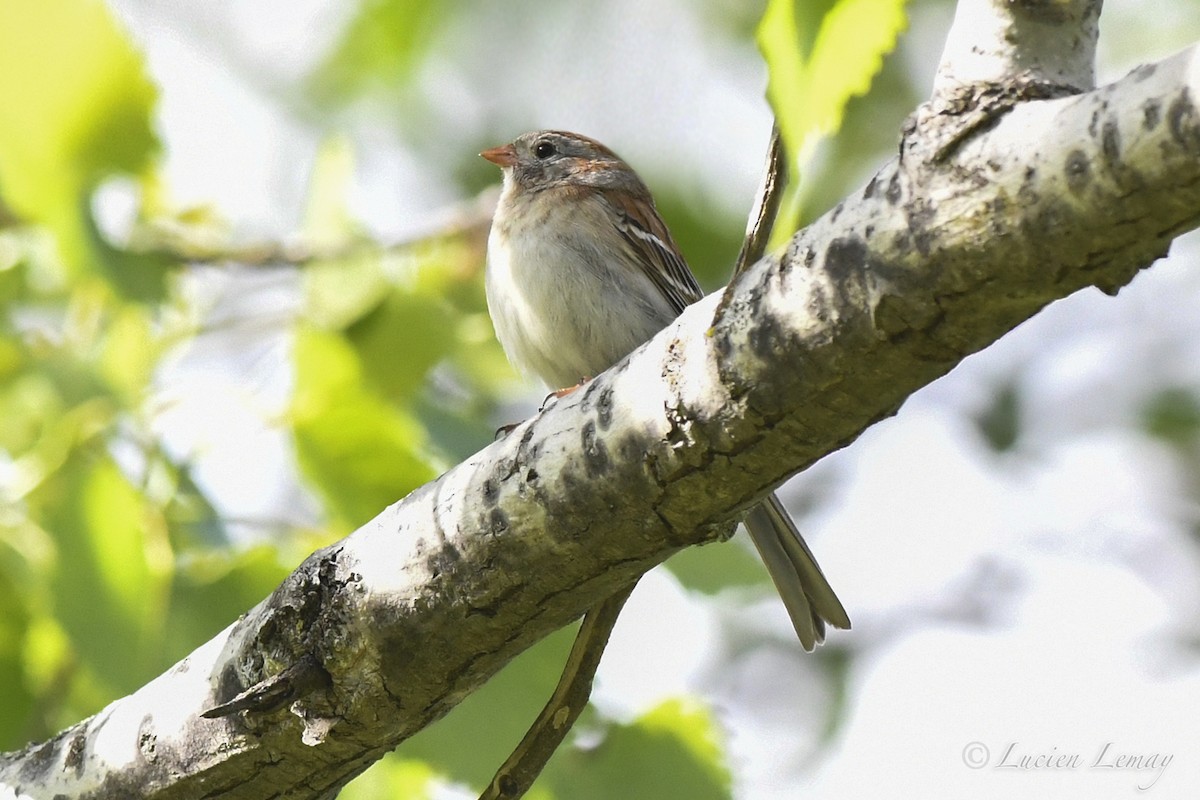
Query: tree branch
(941, 253)
(570, 697)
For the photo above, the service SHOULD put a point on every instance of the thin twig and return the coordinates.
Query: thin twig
(178, 242)
(766, 206)
(570, 697)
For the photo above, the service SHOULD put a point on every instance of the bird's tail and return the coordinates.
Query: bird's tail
(806, 593)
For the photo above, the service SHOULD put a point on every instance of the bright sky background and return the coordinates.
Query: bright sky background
(1044, 598)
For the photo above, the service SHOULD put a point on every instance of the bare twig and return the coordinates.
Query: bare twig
(570, 696)
(766, 205)
(180, 242)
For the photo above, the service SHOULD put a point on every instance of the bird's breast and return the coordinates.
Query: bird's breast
(565, 298)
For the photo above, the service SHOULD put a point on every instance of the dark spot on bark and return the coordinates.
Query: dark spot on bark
(1110, 144)
(1181, 119)
(595, 454)
(489, 611)
(818, 304)
(505, 468)
(76, 747)
(920, 217)
(1144, 71)
(630, 450)
(844, 257)
(509, 786)
(497, 524)
(1077, 171)
(837, 212)
(604, 407)
(491, 492)
(228, 686)
(764, 336)
(869, 189)
(894, 193)
(723, 346)
(901, 245)
(1151, 115)
(147, 740)
(36, 765)
(445, 558)
(585, 391)
(1047, 12)
(531, 475)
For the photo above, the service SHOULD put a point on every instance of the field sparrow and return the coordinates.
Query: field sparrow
(581, 270)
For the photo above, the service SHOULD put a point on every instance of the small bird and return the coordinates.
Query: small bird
(581, 269)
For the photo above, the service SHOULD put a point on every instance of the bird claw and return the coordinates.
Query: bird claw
(505, 430)
(560, 393)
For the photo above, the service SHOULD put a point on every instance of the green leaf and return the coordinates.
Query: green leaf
(671, 752)
(14, 622)
(327, 221)
(712, 568)
(809, 87)
(341, 290)
(129, 354)
(1173, 414)
(360, 452)
(494, 718)
(390, 778)
(379, 50)
(1000, 422)
(108, 595)
(77, 104)
(212, 588)
(401, 340)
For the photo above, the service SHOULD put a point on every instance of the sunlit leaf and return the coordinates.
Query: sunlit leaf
(359, 452)
(494, 718)
(129, 354)
(14, 622)
(212, 588)
(391, 778)
(1173, 414)
(673, 752)
(401, 340)
(712, 568)
(326, 219)
(809, 87)
(380, 48)
(1000, 422)
(107, 593)
(76, 106)
(339, 291)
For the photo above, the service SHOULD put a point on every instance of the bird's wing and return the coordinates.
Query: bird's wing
(640, 224)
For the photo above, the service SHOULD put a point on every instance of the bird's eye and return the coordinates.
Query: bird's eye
(544, 149)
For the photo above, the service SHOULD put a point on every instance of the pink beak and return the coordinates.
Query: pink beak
(504, 156)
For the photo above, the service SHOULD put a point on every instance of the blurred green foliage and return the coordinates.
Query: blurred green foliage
(380, 49)
(1173, 414)
(114, 562)
(1000, 422)
(85, 117)
(819, 56)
